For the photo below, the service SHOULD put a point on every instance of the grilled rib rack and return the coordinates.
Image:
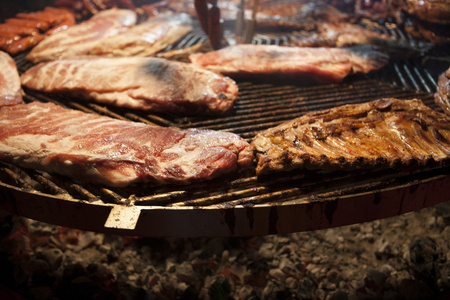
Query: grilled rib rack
(241, 204)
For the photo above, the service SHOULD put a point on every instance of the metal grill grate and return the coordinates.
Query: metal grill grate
(261, 105)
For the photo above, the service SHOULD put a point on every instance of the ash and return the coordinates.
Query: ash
(405, 257)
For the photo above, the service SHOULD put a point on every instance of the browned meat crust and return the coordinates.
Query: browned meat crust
(442, 95)
(386, 133)
(435, 11)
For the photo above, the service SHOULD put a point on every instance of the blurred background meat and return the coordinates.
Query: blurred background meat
(433, 11)
(442, 95)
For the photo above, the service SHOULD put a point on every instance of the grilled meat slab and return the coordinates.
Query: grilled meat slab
(297, 14)
(147, 38)
(10, 89)
(81, 38)
(317, 65)
(434, 11)
(343, 34)
(145, 83)
(386, 133)
(442, 95)
(113, 152)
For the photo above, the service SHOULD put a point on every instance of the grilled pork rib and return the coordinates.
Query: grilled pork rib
(145, 83)
(442, 95)
(10, 89)
(113, 152)
(386, 133)
(147, 38)
(81, 38)
(319, 65)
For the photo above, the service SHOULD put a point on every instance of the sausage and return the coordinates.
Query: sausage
(42, 25)
(24, 43)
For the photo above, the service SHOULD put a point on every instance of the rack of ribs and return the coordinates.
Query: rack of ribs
(79, 39)
(98, 149)
(144, 83)
(386, 133)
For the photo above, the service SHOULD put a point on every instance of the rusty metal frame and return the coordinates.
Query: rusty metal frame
(301, 214)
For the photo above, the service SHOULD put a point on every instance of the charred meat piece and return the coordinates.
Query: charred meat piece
(98, 149)
(434, 11)
(386, 133)
(317, 65)
(81, 38)
(428, 19)
(442, 95)
(10, 89)
(145, 83)
(147, 38)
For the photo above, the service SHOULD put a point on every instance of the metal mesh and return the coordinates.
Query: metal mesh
(261, 105)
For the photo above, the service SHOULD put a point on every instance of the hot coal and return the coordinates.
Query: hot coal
(404, 257)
